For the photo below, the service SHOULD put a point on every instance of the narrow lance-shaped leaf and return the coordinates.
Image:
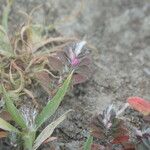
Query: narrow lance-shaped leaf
(46, 133)
(53, 104)
(88, 143)
(14, 112)
(6, 14)
(5, 53)
(7, 126)
(1, 89)
(5, 45)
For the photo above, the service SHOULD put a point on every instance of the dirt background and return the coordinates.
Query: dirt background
(120, 31)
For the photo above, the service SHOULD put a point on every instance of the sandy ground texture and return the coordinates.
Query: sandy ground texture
(120, 31)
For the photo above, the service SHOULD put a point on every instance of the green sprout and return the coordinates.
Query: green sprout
(28, 133)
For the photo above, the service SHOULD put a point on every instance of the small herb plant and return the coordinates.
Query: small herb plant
(31, 58)
(115, 130)
(29, 121)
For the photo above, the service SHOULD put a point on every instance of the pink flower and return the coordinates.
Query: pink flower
(74, 52)
(73, 58)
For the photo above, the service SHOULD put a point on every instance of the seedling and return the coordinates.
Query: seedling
(29, 121)
(114, 129)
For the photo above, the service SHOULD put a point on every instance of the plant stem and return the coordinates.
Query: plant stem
(28, 139)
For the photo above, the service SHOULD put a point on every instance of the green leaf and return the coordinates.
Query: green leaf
(88, 143)
(14, 112)
(28, 138)
(33, 34)
(5, 45)
(6, 14)
(7, 126)
(53, 104)
(36, 33)
(144, 144)
(1, 89)
(46, 133)
(5, 53)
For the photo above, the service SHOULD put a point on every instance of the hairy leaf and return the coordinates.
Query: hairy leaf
(78, 78)
(55, 63)
(53, 104)
(85, 61)
(14, 112)
(6, 14)
(88, 143)
(5, 45)
(7, 126)
(46, 133)
(44, 80)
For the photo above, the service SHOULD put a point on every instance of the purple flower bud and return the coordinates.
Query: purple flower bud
(73, 58)
(75, 62)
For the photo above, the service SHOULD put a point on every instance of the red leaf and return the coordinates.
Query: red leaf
(85, 61)
(78, 78)
(84, 70)
(120, 139)
(44, 80)
(120, 131)
(128, 146)
(55, 63)
(140, 105)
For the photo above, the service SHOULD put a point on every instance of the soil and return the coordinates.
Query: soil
(120, 32)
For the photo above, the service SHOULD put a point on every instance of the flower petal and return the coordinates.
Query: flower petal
(79, 47)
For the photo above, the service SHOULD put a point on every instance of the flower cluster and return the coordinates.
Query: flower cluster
(74, 56)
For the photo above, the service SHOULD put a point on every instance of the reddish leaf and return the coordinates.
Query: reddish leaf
(78, 78)
(128, 146)
(5, 115)
(121, 139)
(55, 63)
(50, 139)
(85, 61)
(120, 130)
(140, 105)
(97, 128)
(3, 134)
(44, 80)
(146, 118)
(97, 132)
(84, 70)
(97, 147)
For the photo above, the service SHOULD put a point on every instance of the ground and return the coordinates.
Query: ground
(120, 32)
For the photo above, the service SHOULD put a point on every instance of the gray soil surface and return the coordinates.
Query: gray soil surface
(120, 31)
